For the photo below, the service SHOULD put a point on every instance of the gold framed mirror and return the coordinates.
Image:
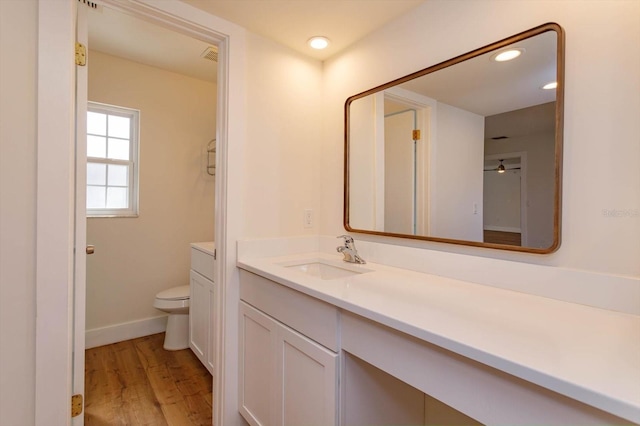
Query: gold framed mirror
(468, 151)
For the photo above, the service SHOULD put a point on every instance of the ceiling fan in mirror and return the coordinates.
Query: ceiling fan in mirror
(501, 167)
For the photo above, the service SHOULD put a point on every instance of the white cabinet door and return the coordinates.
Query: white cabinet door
(258, 340)
(199, 317)
(307, 373)
(286, 379)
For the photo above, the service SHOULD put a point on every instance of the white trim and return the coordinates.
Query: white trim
(80, 222)
(427, 109)
(124, 331)
(55, 211)
(379, 167)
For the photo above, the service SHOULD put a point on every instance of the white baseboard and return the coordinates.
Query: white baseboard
(124, 331)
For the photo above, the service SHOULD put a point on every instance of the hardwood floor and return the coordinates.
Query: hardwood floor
(498, 237)
(137, 382)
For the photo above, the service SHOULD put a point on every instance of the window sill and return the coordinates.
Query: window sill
(112, 216)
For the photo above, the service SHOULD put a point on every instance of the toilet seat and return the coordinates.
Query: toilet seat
(174, 293)
(173, 300)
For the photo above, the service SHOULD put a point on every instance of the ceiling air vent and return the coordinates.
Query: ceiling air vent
(210, 53)
(90, 4)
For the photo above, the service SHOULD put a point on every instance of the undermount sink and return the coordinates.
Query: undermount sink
(324, 270)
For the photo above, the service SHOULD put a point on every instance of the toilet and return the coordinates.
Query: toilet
(175, 301)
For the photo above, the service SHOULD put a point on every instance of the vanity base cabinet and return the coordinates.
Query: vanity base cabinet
(286, 379)
(201, 318)
(485, 394)
(370, 396)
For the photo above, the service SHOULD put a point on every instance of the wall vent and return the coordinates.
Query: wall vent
(210, 53)
(89, 3)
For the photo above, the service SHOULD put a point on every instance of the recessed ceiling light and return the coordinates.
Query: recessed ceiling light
(550, 86)
(318, 42)
(507, 55)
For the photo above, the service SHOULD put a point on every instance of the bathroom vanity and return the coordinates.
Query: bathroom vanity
(202, 298)
(336, 343)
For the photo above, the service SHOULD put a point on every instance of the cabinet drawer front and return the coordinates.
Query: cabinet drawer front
(311, 317)
(203, 263)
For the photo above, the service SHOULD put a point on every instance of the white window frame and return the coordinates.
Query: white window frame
(133, 162)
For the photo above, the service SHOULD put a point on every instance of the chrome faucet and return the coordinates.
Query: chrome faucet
(349, 250)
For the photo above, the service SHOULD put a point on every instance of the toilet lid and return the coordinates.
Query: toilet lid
(174, 293)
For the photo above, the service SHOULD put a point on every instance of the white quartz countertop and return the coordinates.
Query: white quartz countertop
(588, 354)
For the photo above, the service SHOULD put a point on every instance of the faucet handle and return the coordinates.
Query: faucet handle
(347, 239)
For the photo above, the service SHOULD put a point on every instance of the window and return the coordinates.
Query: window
(112, 160)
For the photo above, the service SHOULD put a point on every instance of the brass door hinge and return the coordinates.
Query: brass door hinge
(416, 135)
(76, 405)
(81, 55)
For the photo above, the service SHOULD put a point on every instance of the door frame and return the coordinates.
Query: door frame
(522, 156)
(80, 222)
(55, 219)
(427, 110)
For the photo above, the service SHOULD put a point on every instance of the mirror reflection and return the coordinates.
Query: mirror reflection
(467, 151)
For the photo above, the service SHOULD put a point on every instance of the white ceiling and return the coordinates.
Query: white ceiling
(293, 22)
(289, 22)
(131, 38)
(486, 87)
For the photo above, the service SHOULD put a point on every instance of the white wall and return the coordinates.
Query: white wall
(137, 257)
(284, 143)
(362, 185)
(601, 126)
(18, 22)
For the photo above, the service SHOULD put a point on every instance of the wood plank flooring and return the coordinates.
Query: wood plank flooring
(499, 237)
(137, 382)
